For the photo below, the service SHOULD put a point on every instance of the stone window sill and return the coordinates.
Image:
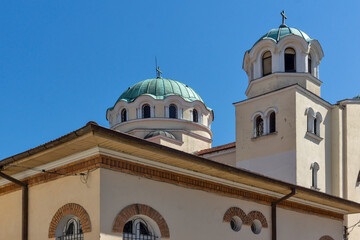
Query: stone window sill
(315, 188)
(266, 135)
(314, 136)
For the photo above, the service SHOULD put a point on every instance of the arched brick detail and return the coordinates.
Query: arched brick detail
(327, 237)
(139, 209)
(70, 209)
(259, 216)
(235, 211)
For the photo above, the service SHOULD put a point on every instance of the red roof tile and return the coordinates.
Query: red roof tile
(216, 149)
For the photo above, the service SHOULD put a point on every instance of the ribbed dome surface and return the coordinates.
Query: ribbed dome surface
(160, 88)
(357, 97)
(277, 34)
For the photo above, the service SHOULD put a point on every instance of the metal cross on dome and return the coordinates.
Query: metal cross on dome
(283, 17)
(158, 71)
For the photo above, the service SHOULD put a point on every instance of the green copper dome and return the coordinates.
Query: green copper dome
(278, 33)
(357, 97)
(160, 88)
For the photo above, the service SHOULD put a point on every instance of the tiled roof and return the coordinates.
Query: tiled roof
(216, 149)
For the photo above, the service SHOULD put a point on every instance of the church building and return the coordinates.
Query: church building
(292, 173)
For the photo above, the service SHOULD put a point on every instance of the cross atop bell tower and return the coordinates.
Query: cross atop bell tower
(283, 18)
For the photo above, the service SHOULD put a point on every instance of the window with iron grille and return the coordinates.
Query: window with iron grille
(72, 230)
(259, 127)
(138, 229)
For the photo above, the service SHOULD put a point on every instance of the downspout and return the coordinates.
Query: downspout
(273, 212)
(25, 204)
(345, 164)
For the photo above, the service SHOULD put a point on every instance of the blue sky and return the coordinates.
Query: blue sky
(63, 63)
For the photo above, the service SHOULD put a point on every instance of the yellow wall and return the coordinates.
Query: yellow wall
(246, 146)
(195, 214)
(44, 200)
(10, 216)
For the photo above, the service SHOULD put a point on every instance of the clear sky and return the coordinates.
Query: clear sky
(63, 63)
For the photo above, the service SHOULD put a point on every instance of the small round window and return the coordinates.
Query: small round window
(256, 226)
(236, 223)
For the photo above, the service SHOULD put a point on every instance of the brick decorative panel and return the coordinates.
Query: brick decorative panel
(326, 238)
(235, 211)
(246, 219)
(70, 209)
(259, 216)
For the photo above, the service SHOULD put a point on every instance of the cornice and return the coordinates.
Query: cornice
(313, 79)
(112, 160)
(157, 119)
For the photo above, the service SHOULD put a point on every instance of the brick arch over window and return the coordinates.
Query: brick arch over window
(235, 211)
(139, 209)
(326, 238)
(70, 209)
(259, 216)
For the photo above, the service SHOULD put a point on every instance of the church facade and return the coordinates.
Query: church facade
(291, 174)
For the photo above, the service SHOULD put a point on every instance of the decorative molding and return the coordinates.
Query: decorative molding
(70, 209)
(139, 209)
(304, 91)
(161, 119)
(139, 169)
(308, 76)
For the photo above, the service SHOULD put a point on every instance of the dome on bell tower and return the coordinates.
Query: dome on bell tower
(282, 57)
(276, 34)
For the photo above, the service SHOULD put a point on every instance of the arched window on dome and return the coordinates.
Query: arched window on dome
(290, 60)
(259, 126)
(123, 115)
(195, 116)
(266, 63)
(138, 229)
(309, 64)
(172, 111)
(146, 111)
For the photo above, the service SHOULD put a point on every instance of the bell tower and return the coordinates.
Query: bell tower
(281, 126)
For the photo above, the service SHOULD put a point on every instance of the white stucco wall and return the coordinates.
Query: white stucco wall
(308, 149)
